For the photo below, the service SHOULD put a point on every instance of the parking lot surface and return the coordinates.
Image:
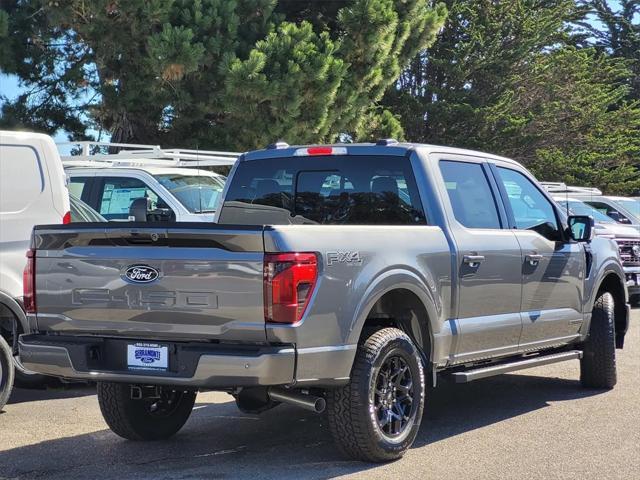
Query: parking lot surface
(538, 424)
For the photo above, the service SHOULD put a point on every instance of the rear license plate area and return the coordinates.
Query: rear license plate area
(147, 356)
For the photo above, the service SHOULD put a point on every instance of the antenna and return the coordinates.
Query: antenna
(199, 184)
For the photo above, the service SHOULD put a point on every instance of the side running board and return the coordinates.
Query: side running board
(497, 369)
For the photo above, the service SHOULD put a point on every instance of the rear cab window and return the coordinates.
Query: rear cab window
(332, 190)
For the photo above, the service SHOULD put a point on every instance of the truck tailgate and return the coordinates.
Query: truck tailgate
(184, 281)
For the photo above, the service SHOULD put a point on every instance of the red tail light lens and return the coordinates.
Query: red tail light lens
(29, 283)
(289, 280)
(67, 218)
(310, 151)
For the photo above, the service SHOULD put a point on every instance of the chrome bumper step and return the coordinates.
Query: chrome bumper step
(498, 369)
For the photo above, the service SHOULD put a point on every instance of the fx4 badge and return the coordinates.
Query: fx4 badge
(348, 258)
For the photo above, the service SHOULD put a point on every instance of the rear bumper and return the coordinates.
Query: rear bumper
(193, 365)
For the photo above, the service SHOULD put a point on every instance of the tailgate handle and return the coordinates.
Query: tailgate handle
(143, 238)
(139, 240)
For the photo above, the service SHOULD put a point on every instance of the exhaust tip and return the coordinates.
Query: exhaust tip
(320, 405)
(298, 399)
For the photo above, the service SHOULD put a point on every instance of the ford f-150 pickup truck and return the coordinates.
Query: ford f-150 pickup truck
(342, 278)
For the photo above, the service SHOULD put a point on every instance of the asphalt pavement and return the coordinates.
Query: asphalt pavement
(538, 424)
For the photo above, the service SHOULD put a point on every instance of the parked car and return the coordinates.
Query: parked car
(32, 191)
(344, 277)
(175, 187)
(620, 209)
(626, 236)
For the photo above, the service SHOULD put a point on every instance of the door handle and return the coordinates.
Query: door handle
(533, 258)
(473, 260)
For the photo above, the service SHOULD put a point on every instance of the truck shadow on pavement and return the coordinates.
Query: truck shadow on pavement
(220, 442)
(22, 395)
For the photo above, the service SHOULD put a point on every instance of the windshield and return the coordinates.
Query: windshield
(580, 208)
(198, 193)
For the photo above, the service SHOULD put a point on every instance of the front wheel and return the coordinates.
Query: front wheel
(6, 372)
(152, 417)
(377, 415)
(598, 364)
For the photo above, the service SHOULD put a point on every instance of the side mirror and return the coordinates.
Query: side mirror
(581, 228)
(138, 209)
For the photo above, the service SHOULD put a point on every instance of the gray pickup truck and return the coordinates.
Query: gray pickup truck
(342, 278)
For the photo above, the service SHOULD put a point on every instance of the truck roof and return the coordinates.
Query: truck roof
(382, 147)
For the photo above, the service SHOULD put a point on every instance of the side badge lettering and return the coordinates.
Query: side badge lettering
(347, 258)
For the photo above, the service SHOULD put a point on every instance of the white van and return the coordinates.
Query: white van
(32, 192)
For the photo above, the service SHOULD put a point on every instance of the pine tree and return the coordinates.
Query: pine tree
(567, 118)
(211, 73)
(614, 28)
(500, 78)
(440, 97)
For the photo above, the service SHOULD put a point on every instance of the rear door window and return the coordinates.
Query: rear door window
(340, 190)
(470, 194)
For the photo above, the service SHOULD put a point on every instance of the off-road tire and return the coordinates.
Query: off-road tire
(598, 364)
(130, 419)
(351, 414)
(6, 372)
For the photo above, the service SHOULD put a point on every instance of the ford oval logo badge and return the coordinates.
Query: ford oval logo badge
(141, 274)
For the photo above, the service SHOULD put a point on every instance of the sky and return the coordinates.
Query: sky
(10, 87)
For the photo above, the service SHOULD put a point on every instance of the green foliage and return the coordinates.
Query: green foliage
(223, 73)
(566, 117)
(441, 95)
(614, 28)
(500, 78)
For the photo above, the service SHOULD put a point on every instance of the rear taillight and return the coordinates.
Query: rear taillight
(66, 218)
(29, 283)
(289, 280)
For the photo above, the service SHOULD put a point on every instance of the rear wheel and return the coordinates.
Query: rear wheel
(6, 372)
(154, 416)
(598, 364)
(376, 416)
